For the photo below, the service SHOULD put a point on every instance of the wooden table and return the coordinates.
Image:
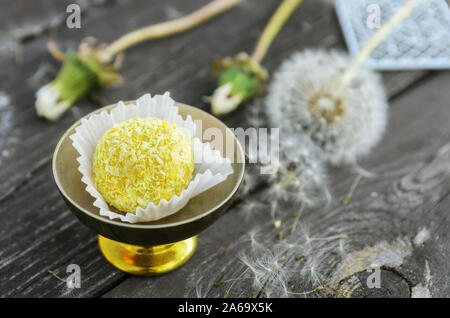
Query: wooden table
(400, 218)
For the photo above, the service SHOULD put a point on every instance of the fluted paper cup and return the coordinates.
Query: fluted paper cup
(210, 168)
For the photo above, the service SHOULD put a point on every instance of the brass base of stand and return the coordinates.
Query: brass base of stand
(147, 260)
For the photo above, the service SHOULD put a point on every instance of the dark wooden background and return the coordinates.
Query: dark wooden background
(399, 219)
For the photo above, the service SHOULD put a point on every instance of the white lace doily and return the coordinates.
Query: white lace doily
(422, 41)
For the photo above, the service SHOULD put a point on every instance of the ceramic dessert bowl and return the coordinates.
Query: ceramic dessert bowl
(155, 247)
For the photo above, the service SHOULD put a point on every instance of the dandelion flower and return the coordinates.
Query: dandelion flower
(302, 100)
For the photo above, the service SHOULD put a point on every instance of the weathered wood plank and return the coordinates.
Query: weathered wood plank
(413, 176)
(43, 235)
(28, 197)
(24, 20)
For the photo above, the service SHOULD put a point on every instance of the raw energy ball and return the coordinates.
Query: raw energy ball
(142, 160)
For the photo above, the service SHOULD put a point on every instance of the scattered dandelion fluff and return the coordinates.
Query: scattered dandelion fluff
(303, 100)
(266, 268)
(252, 208)
(4, 100)
(299, 174)
(301, 177)
(273, 267)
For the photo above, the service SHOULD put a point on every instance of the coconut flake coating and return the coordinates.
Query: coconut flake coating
(142, 160)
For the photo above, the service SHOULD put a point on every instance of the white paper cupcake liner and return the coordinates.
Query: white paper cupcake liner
(210, 168)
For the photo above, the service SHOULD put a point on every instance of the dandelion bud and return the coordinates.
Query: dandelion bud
(240, 78)
(74, 81)
(78, 76)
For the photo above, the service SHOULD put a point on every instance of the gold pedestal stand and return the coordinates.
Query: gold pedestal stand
(141, 255)
(150, 260)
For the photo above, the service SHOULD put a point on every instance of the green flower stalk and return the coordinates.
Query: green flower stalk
(92, 67)
(242, 77)
(78, 77)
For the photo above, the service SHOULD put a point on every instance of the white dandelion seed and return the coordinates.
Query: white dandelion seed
(199, 290)
(342, 250)
(302, 101)
(316, 278)
(251, 208)
(266, 268)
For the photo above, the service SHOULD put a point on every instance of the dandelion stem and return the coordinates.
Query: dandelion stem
(297, 217)
(56, 276)
(164, 29)
(279, 18)
(318, 288)
(234, 281)
(403, 13)
(329, 238)
(348, 197)
(55, 51)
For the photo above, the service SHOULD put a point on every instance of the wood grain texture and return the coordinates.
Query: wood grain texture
(38, 232)
(24, 20)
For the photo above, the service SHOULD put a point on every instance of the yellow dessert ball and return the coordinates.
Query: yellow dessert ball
(142, 160)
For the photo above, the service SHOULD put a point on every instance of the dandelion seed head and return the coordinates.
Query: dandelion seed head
(302, 100)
